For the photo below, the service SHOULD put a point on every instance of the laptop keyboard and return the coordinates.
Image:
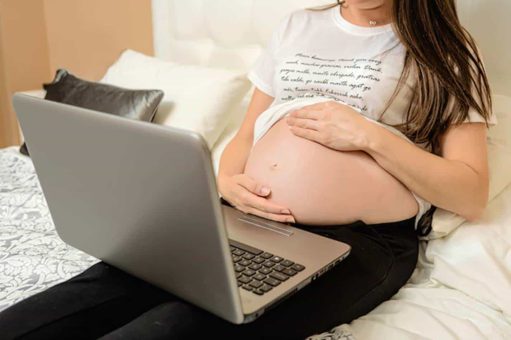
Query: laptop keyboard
(258, 271)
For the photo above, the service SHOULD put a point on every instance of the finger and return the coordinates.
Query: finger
(305, 113)
(304, 123)
(253, 186)
(270, 216)
(306, 133)
(263, 204)
(247, 198)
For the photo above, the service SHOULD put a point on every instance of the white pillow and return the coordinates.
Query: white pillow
(499, 162)
(197, 98)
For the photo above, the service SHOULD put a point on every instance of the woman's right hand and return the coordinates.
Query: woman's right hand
(247, 195)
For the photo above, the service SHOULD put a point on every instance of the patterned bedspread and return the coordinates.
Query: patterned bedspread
(32, 256)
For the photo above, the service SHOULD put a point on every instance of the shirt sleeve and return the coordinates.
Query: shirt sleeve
(262, 72)
(473, 115)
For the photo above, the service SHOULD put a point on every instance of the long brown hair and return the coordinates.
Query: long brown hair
(450, 76)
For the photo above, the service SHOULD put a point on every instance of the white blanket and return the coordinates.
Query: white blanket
(461, 288)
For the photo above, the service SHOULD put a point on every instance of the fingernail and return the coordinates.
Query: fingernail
(265, 190)
(285, 211)
(292, 220)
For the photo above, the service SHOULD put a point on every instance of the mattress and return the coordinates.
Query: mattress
(442, 300)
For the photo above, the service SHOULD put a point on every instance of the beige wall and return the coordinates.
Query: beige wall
(85, 36)
(23, 57)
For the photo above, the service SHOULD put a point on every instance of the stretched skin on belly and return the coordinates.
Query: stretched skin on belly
(322, 186)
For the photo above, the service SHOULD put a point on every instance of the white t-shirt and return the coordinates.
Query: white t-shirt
(321, 53)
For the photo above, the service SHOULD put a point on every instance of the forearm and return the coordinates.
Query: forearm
(448, 184)
(234, 157)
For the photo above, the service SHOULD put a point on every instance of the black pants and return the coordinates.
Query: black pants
(106, 302)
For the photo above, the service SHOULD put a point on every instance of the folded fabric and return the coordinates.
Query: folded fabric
(276, 112)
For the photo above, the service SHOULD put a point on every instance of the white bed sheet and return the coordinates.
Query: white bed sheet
(461, 288)
(440, 301)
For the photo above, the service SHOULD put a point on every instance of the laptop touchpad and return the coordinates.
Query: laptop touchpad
(266, 225)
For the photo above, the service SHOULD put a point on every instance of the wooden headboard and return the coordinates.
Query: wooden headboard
(85, 36)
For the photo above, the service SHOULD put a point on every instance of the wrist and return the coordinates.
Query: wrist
(371, 136)
(223, 182)
(219, 182)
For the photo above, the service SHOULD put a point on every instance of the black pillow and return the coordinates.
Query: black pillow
(133, 104)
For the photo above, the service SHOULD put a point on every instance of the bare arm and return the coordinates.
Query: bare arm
(456, 181)
(235, 154)
(239, 189)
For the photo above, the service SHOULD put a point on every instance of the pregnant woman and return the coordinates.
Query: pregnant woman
(333, 168)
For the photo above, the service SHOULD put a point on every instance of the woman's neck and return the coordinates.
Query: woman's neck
(368, 15)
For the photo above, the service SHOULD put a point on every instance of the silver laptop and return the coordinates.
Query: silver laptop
(143, 197)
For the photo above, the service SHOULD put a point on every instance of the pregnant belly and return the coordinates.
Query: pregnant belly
(322, 186)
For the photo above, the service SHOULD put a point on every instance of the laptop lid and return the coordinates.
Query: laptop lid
(136, 195)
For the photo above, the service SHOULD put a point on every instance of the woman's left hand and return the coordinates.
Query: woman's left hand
(331, 124)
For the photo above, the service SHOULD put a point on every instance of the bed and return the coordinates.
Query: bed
(461, 287)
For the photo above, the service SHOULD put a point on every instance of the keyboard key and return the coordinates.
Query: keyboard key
(297, 267)
(287, 263)
(266, 287)
(289, 272)
(248, 256)
(255, 266)
(245, 263)
(279, 276)
(258, 271)
(259, 277)
(269, 264)
(265, 271)
(249, 272)
(247, 287)
(258, 260)
(272, 281)
(238, 252)
(279, 268)
(256, 284)
(245, 279)
(249, 249)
